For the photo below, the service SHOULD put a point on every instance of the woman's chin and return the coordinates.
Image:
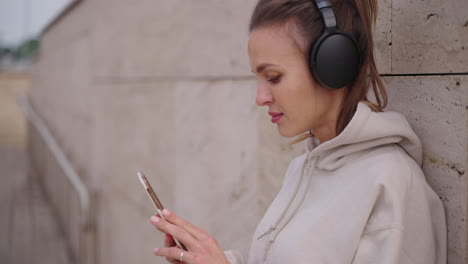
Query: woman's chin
(290, 133)
(287, 133)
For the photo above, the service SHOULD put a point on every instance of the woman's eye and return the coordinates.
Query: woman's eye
(275, 79)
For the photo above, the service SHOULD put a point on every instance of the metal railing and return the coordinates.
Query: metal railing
(73, 179)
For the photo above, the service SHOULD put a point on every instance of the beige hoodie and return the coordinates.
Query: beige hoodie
(358, 198)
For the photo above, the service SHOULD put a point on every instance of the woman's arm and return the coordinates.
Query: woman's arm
(382, 246)
(407, 224)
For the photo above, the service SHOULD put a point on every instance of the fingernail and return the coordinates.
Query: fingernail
(165, 212)
(155, 219)
(155, 251)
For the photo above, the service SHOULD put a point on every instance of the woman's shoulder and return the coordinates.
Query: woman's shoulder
(391, 166)
(390, 156)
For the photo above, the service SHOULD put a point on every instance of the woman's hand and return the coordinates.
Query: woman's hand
(202, 248)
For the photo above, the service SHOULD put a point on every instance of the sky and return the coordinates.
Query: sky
(22, 19)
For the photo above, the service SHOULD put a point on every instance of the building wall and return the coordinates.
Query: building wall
(166, 88)
(62, 90)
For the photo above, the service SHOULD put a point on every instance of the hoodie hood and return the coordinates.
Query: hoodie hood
(366, 130)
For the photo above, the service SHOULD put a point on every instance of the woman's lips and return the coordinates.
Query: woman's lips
(276, 118)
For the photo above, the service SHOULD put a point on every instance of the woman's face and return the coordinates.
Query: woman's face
(294, 100)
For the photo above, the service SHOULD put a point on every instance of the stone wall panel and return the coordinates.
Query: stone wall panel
(437, 109)
(429, 36)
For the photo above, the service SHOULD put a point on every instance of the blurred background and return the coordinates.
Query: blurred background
(93, 91)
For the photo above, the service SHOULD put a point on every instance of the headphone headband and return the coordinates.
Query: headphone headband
(322, 3)
(328, 16)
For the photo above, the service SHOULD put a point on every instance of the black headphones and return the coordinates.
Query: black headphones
(334, 57)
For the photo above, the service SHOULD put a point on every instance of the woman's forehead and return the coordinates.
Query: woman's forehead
(271, 45)
(269, 36)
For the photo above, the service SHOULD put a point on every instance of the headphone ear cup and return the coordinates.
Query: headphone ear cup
(335, 60)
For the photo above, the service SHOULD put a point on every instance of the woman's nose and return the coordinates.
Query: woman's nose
(264, 96)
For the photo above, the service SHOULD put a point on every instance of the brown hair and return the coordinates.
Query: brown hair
(303, 22)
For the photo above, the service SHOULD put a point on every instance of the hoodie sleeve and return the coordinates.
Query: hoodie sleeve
(234, 257)
(382, 246)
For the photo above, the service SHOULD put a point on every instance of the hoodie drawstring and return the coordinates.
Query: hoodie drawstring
(291, 199)
(273, 227)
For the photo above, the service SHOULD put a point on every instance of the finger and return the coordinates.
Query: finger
(192, 229)
(176, 231)
(173, 261)
(174, 253)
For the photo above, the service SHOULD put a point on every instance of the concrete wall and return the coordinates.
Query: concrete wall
(166, 88)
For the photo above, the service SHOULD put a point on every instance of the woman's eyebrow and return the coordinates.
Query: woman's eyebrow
(262, 66)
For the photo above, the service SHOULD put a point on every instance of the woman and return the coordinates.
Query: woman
(358, 194)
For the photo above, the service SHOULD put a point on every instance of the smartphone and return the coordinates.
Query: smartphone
(156, 202)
